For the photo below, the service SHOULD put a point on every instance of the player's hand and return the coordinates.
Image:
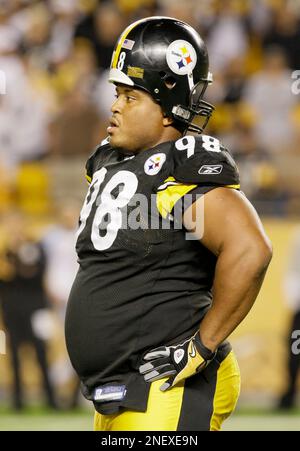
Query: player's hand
(179, 362)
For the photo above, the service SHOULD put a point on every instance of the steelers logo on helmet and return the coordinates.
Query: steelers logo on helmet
(181, 57)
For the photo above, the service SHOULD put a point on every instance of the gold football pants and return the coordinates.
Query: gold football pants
(199, 403)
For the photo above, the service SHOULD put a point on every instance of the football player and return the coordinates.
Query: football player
(172, 255)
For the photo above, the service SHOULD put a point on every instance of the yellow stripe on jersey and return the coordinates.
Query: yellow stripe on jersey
(170, 181)
(167, 198)
(171, 191)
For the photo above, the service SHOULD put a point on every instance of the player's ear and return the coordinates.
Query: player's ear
(167, 120)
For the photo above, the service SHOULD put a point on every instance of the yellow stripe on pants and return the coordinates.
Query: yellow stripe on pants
(227, 391)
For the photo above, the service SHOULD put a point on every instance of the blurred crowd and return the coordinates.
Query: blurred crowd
(54, 108)
(37, 269)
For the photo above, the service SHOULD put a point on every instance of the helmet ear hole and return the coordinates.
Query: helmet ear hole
(170, 82)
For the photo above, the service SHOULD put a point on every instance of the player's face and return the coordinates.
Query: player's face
(137, 122)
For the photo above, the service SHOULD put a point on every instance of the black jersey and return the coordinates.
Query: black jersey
(141, 283)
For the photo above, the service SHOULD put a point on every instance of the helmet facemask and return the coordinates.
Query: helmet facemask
(191, 116)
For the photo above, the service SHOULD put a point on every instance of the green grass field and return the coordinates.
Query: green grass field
(38, 419)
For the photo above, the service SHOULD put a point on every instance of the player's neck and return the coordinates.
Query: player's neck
(169, 134)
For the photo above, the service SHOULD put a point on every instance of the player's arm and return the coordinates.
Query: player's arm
(234, 233)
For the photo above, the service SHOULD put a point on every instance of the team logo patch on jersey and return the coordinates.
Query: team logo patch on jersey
(181, 57)
(110, 393)
(154, 164)
(211, 169)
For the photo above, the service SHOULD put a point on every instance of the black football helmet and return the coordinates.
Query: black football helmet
(168, 59)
